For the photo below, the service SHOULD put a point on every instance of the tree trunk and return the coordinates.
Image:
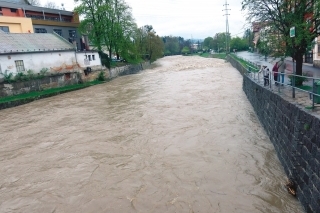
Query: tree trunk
(299, 63)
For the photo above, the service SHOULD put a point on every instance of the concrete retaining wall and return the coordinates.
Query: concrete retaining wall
(295, 134)
(52, 81)
(64, 79)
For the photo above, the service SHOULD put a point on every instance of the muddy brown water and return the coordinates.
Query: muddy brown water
(180, 137)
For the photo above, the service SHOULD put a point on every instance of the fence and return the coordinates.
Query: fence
(279, 85)
(313, 93)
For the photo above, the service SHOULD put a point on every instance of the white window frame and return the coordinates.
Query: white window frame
(20, 66)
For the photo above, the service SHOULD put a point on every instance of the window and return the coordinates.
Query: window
(93, 58)
(19, 66)
(40, 30)
(13, 10)
(72, 34)
(34, 16)
(58, 31)
(5, 29)
(89, 57)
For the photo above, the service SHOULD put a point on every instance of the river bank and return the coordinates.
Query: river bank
(79, 81)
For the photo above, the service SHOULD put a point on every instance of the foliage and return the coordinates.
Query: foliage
(101, 76)
(108, 24)
(148, 44)
(219, 55)
(43, 72)
(30, 75)
(280, 16)
(239, 44)
(208, 43)
(298, 79)
(185, 50)
(47, 92)
(219, 42)
(105, 61)
(7, 76)
(20, 77)
(171, 45)
(245, 63)
(248, 36)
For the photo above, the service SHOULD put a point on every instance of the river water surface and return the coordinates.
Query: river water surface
(180, 137)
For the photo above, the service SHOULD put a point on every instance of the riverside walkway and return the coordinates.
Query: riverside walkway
(302, 98)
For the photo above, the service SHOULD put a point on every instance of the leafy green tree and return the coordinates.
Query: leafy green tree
(208, 43)
(171, 45)
(219, 41)
(108, 24)
(148, 44)
(248, 36)
(156, 47)
(238, 44)
(185, 50)
(284, 14)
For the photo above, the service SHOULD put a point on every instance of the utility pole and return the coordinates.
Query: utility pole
(227, 24)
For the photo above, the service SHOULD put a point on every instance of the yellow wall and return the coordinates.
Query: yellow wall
(17, 24)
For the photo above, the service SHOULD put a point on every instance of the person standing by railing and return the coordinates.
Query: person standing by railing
(281, 69)
(265, 71)
(275, 73)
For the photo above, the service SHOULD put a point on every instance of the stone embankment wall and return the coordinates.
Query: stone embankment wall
(64, 79)
(295, 134)
(51, 81)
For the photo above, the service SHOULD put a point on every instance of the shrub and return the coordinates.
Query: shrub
(44, 71)
(7, 77)
(101, 76)
(30, 75)
(298, 79)
(20, 77)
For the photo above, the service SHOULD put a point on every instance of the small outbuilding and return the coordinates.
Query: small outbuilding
(23, 52)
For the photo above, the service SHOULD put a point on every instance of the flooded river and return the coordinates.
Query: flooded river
(180, 137)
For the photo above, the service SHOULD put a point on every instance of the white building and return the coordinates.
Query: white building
(21, 52)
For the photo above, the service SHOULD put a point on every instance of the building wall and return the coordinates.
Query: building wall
(17, 24)
(56, 62)
(64, 30)
(12, 12)
(316, 56)
(84, 59)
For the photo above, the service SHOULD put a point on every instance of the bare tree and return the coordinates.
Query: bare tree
(34, 2)
(52, 5)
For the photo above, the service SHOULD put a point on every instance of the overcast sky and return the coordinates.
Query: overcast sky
(189, 19)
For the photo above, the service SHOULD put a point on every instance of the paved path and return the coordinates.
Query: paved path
(270, 61)
(302, 98)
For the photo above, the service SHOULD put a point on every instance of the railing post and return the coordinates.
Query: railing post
(279, 80)
(270, 80)
(313, 92)
(294, 80)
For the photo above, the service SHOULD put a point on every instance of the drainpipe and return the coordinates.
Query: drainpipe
(60, 16)
(24, 12)
(44, 17)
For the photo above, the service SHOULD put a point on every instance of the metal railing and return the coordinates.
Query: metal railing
(314, 95)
